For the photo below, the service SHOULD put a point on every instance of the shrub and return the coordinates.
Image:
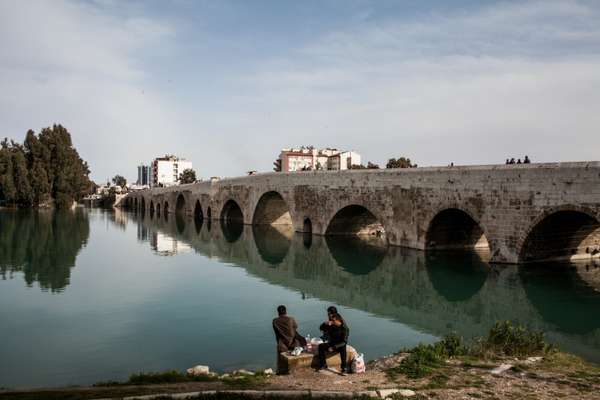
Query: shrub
(504, 339)
(510, 340)
(451, 345)
(422, 361)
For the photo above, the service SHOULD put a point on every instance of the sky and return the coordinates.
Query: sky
(228, 84)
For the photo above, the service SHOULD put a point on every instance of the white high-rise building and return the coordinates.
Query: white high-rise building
(167, 170)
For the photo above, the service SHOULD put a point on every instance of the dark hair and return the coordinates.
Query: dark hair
(332, 310)
(281, 310)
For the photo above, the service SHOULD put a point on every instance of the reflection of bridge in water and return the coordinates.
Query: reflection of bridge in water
(435, 292)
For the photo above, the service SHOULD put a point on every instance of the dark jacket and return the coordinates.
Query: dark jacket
(335, 336)
(286, 334)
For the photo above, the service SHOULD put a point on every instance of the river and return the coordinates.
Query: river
(95, 295)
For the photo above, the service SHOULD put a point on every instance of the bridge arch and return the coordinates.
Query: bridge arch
(571, 294)
(456, 276)
(565, 233)
(166, 209)
(180, 222)
(307, 226)
(232, 231)
(271, 209)
(232, 212)
(454, 229)
(209, 213)
(272, 243)
(135, 204)
(143, 204)
(355, 256)
(151, 209)
(198, 216)
(180, 205)
(158, 209)
(354, 220)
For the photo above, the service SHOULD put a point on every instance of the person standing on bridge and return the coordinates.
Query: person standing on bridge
(286, 332)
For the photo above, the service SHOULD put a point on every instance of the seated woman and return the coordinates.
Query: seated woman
(337, 338)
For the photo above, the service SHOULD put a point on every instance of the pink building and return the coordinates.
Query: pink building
(309, 158)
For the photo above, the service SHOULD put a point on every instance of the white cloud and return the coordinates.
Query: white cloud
(471, 86)
(73, 64)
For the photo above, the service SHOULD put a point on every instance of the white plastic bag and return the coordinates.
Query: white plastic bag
(297, 351)
(358, 364)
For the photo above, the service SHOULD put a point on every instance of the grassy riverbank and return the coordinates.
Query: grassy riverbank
(509, 363)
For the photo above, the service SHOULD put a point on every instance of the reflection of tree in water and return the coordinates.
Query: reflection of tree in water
(43, 245)
(559, 294)
(456, 275)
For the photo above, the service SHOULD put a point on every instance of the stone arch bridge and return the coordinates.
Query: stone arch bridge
(521, 213)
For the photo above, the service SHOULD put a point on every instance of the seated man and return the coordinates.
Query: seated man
(286, 333)
(337, 338)
(331, 312)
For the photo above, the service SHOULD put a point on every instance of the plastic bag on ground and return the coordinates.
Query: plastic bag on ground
(358, 364)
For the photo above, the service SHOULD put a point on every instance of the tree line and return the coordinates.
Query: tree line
(45, 168)
(401, 162)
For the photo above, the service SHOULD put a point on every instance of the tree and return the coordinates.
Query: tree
(370, 165)
(8, 192)
(402, 162)
(45, 166)
(118, 180)
(357, 166)
(40, 185)
(21, 176)
(69, 174)
(187, 176)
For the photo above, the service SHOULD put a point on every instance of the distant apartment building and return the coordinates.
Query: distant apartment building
(343, 160)
(144, 175)
(165, 171)
(166, 245)
(309, 158)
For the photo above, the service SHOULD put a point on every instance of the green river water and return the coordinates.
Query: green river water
(93, 295)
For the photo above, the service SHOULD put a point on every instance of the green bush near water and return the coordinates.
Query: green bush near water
(424, 359)
(504, 339)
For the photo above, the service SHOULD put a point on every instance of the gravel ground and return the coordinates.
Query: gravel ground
(556, 376)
